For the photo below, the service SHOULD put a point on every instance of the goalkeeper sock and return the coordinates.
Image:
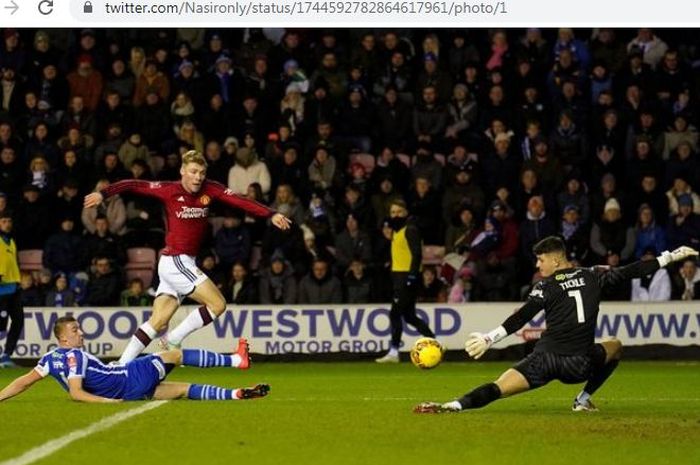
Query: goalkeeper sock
(600, 376)
(481, 396)
(207, 392)
(207, 359)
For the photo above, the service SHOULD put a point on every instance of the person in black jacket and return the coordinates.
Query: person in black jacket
(406, 257)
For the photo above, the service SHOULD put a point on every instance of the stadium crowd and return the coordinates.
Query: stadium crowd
(494, 138)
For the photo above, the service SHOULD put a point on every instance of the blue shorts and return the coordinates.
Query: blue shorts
(145, 374)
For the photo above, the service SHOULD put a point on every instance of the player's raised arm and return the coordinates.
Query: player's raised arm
(21, 384)
(234, 200)
(136, 186)
(638, 269)
(478, 343)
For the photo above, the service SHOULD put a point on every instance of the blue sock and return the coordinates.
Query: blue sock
(207, 392)
(205, 359)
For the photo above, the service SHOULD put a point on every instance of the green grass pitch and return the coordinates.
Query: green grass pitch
(360, 413)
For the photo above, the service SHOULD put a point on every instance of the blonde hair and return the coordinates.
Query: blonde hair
(193, 156)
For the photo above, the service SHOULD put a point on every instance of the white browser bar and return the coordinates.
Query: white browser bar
(349, 13)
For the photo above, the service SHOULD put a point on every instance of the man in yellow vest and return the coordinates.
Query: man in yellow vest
(10, 291)
(406, 256)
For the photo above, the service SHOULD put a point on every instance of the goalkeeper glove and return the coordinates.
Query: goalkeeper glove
(477, 344)
(678, 254)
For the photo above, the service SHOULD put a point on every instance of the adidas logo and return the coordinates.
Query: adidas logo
(181, 199)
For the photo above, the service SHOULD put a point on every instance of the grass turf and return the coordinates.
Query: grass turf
(360, 413)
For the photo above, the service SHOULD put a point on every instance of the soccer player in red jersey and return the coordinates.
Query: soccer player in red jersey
(187, 208)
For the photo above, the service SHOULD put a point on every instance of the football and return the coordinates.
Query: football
(426, 353)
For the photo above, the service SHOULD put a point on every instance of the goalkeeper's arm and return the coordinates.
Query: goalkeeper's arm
(643, 268)
(478, 343)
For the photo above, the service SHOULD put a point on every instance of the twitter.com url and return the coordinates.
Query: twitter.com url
(254, 8)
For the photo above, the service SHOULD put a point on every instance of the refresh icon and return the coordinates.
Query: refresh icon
(45, 7)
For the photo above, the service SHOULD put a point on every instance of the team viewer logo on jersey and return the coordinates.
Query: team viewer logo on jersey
(154, 185)
(205, 200)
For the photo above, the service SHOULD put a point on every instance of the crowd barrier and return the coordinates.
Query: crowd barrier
(353, 329)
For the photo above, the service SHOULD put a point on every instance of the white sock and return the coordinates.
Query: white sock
(454, 405)
(190, 324)
(393, 351)
(137, 344)
(583, 397)
(235, 360)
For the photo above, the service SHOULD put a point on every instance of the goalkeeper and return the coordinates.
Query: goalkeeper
(570, 297)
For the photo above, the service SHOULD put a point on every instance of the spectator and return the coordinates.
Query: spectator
(430, 288)
(241, 288)
(30, 293)
(655, 287)
(103, 287)
(112, 208)
(320, 286)
(649, 236)
(536, 227)
(32, 219)
(351, 244)
(683, 163)
(86, 82)
(359, 287)
(424, 206)
(575, 193)
(681, 132)
(135, 295)
(575, 233)
(150, 81)
(684, 227)
(60, 295)
(495, 282)
(686, 284)
(610, 235)
(463, 190)
(64, 251)
(232, 241)
(103, 243)
(649, 45)
(288, 204)
(277, 284)
(322, 170)
(133, 149)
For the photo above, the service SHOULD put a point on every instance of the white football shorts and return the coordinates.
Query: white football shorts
(178, 275)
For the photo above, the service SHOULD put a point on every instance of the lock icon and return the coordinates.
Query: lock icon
(87, 7)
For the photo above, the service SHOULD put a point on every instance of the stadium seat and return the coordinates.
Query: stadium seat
(216, 223)
(433, 254)
(405, 159)
(30, 260)
(365, 159)
(146, 276)
(141, 258)
(255, 257)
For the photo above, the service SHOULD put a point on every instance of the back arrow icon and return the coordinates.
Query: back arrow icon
(14, 7)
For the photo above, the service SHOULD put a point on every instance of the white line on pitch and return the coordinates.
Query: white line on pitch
(54, 445)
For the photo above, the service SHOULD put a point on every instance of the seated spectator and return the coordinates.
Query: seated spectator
(103, 287)
(68, 204)
(486, 241)
(431, 289)
(248, 170)
(135, 295)
(359, 286)
(322, 170)
(320, 220)
(684, 162)
(60, 295)
(536, 227)
(681, 187)
(649, 235)
(31, 296)
(461, 231)
(112, 208)
(382, 199)
(319, 286)
(40, 175)
(277, 284)
(649, 192)
(495, 282)
(461, 289)
(654, 287)
(508, 246)
(427, 167)
(575, 233)
(424, 205)
(257, 225)
(352, 243)
(64, 250)
(241, 289)
(684, 228)
(680, 132)
(575, 193)
(133, 149)
(686, 283)
(390, 167)
(463, 190)
(611, 235)
(287, 203)
(32, 219)
(103, 243)
(232, 241)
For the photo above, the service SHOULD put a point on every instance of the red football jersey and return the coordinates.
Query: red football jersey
(186, 214)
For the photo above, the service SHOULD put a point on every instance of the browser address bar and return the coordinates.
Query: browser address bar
(346, 13)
